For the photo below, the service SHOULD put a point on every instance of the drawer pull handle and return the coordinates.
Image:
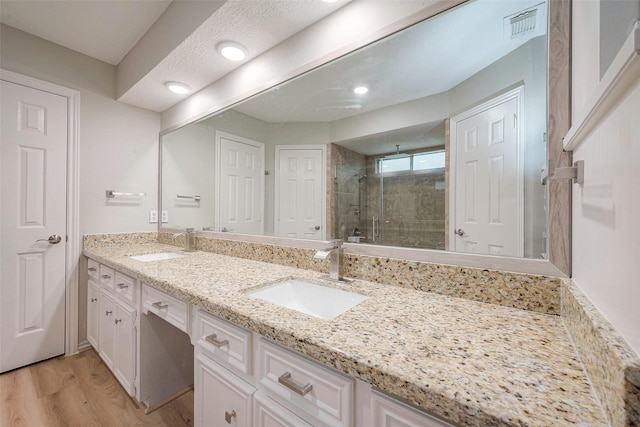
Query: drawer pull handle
(159, 305)
(123, 286)
(106, 276)
(285, 380)
(213, 340)
(92, 269)
(229, 416)
(94, 299)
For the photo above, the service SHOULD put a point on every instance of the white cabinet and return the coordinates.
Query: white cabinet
(220, 397)
(93, 295)
(387, 411)
(117, 338)
(124, 361)
(111, 320)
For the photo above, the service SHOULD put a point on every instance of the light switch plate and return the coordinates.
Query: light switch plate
(165, 216)
(153, 217)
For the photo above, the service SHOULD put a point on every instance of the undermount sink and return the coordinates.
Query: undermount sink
(309, 298)
(156, 257)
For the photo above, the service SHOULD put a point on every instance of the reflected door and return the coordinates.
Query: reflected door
(240, 185)
(488, 200)
(33, 225)
(300, 192)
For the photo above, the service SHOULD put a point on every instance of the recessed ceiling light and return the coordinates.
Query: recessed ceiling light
(329, 1)
(177, 87)
(232, 51)
(360, 90)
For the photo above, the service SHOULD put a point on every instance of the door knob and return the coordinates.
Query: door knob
(317, 227)
(460, 232)
(54, 239)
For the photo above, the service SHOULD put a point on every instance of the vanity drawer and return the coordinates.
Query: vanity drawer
(93, 269)
(228, 344)
(166, 307)
(304, 386)
(126, 287)
(107, 277)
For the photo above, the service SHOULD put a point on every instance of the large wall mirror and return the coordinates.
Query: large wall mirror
(431, 139)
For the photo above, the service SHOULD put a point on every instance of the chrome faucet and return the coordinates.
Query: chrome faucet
(189, 239)
(336, 256)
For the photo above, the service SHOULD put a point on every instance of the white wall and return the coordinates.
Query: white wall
(188, 156)
(118, 143)
(606, 209)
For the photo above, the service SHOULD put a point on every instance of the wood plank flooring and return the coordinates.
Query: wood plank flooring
(79, 391)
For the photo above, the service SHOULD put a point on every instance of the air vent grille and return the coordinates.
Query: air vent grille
(523, 24)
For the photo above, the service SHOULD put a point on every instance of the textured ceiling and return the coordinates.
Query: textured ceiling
(258, 25)
(105, 30)
(109, 29)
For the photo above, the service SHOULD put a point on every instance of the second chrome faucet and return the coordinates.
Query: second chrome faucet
(336, 259)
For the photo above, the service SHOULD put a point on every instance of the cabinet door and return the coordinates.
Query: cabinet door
(268, 413)
(93, 313)
(125, 346)
(106, 328)
(220, 397)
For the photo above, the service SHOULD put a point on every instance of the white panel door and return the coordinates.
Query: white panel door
(488, 196)
(240, 185)
(300, 193)
(33, 162)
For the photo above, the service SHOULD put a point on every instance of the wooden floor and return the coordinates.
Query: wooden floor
(79, 391)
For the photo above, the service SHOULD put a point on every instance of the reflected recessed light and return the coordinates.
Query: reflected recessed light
(232, 51)
(177, 87)
(360, 90)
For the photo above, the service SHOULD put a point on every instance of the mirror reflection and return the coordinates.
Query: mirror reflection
(431, 138)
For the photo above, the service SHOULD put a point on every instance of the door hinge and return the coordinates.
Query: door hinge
(66, 238)
(515, 121)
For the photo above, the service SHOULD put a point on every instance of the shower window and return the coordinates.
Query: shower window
(411, 162)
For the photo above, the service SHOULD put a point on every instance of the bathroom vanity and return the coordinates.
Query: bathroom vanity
(401, 356)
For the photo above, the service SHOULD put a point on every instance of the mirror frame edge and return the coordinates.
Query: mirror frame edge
(559, 193)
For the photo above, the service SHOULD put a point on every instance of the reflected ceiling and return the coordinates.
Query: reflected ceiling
(413, 62)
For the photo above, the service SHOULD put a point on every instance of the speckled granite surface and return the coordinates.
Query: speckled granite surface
(525, 291)
(612, 366)
(472, 363)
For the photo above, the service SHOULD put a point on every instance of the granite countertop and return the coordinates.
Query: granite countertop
(468, 362)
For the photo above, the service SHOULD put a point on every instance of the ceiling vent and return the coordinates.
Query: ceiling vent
(525, 24)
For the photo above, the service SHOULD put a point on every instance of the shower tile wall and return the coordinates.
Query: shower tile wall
(414, 208)
(414, 204)
(348, 177)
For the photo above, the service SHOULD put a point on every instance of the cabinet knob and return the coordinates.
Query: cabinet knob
(92, 269)
(94, 299)
(106, 276)
(118, 321)
(108, 312)
(123, 286)
(229, 416)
